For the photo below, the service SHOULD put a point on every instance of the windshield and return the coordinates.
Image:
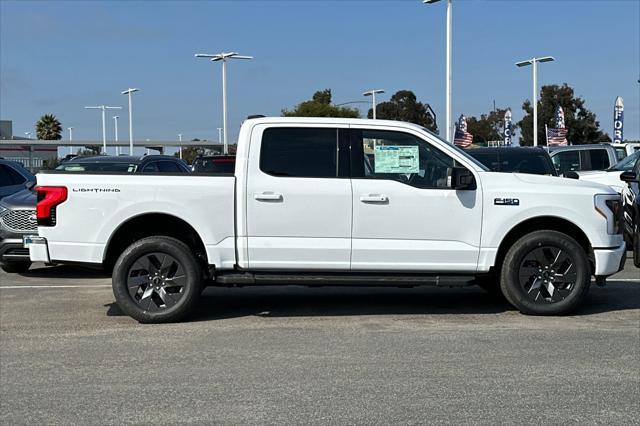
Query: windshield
(625, 164)
(102, 166)
(513, 160)
(459, 150)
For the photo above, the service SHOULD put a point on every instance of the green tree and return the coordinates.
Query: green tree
(489, 127)
(404, 106)
(48, 128)
(583, 128)
(320, 106)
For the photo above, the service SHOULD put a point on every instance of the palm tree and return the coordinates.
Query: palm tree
(48, 128)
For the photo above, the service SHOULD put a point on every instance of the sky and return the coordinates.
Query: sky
(59, 56)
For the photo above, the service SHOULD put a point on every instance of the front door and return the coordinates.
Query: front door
(299, 198)
(405, 216)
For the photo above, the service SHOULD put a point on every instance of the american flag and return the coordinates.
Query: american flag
(558, 135)
(462, 138)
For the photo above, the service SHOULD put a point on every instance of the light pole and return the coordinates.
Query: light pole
(129, 91)
(219, 134)
(115, 124)
(223, 56)
(534, 65)
(103, 108)
(180, 139)
(448, 114)
(70, 139)
(372, 93)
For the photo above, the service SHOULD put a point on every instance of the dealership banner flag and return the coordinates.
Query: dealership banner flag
(557, 135)
(618, 121)
(508, 127)
(462, 138)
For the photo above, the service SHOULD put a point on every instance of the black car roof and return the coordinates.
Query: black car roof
(133, 159)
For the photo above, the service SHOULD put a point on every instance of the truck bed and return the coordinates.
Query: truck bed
(98, 203)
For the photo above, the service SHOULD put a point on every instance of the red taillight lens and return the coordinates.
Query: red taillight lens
(48, 198)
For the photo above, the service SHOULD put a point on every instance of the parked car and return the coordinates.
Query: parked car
(625, 149)
(215, 164)
(126, 164)
(583, 157)
(631, 210)
(319, 201)
(13, 177)
(17, 218)
(611, 176)
(515, 160)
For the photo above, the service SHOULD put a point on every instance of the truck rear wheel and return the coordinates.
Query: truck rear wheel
(545, 273)
(157, 279)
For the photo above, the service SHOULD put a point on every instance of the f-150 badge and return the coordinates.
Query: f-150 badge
(506, 201)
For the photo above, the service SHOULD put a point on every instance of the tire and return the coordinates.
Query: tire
(545, 273)
(16, 267)
(157, 280)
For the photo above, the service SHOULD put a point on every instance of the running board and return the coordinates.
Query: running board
(238, 279)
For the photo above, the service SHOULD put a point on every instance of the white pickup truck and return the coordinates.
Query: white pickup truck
(333, 202)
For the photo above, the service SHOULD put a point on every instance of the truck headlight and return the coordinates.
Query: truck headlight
(609, 206)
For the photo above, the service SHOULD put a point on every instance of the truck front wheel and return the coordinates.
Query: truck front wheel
(157, 279)
(545, 273)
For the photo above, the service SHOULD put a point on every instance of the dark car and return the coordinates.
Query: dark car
(17, 218)
(215, 164)
(631, 210)
(126, 164)
(515, 160)
(13, 177)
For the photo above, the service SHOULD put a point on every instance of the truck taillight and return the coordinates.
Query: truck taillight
(48, 198)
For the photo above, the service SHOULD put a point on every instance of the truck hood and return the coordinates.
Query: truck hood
(548, 184)
(25, 199)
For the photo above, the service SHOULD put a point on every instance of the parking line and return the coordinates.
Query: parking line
(53, 286)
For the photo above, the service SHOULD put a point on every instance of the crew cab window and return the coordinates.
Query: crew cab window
(9, 177)
(566, 161)
(300, 152)
(599, 159)
(401, 157)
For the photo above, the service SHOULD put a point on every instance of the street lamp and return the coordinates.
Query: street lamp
(70, 139)
(223, 56)
(28, 135)
(103, 108)
(534, 65)
(372, 93)
(115, 124)
(129, 91)
(180, 139)
(448, 70)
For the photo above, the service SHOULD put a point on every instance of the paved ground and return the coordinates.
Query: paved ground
(314, 356)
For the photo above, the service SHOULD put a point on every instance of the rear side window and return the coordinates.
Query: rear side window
(9, 177)
(566, 161)
(300, 152)
(599, 159)
(169, 167)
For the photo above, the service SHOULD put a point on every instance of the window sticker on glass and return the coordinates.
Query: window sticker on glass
(396, 159)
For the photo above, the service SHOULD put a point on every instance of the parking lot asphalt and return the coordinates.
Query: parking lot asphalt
(314, 356)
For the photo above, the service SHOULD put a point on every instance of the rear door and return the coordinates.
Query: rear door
(298, 198)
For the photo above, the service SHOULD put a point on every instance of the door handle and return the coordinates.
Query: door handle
(267, 196)
(374, 198)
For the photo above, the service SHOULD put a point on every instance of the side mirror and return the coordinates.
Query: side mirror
(29, 184)
(571, 175)
(460, 178)
(629, 177)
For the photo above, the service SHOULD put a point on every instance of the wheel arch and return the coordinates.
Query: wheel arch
(152, 224)
(540, 223)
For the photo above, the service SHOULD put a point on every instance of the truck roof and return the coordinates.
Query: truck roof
(333, 120)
